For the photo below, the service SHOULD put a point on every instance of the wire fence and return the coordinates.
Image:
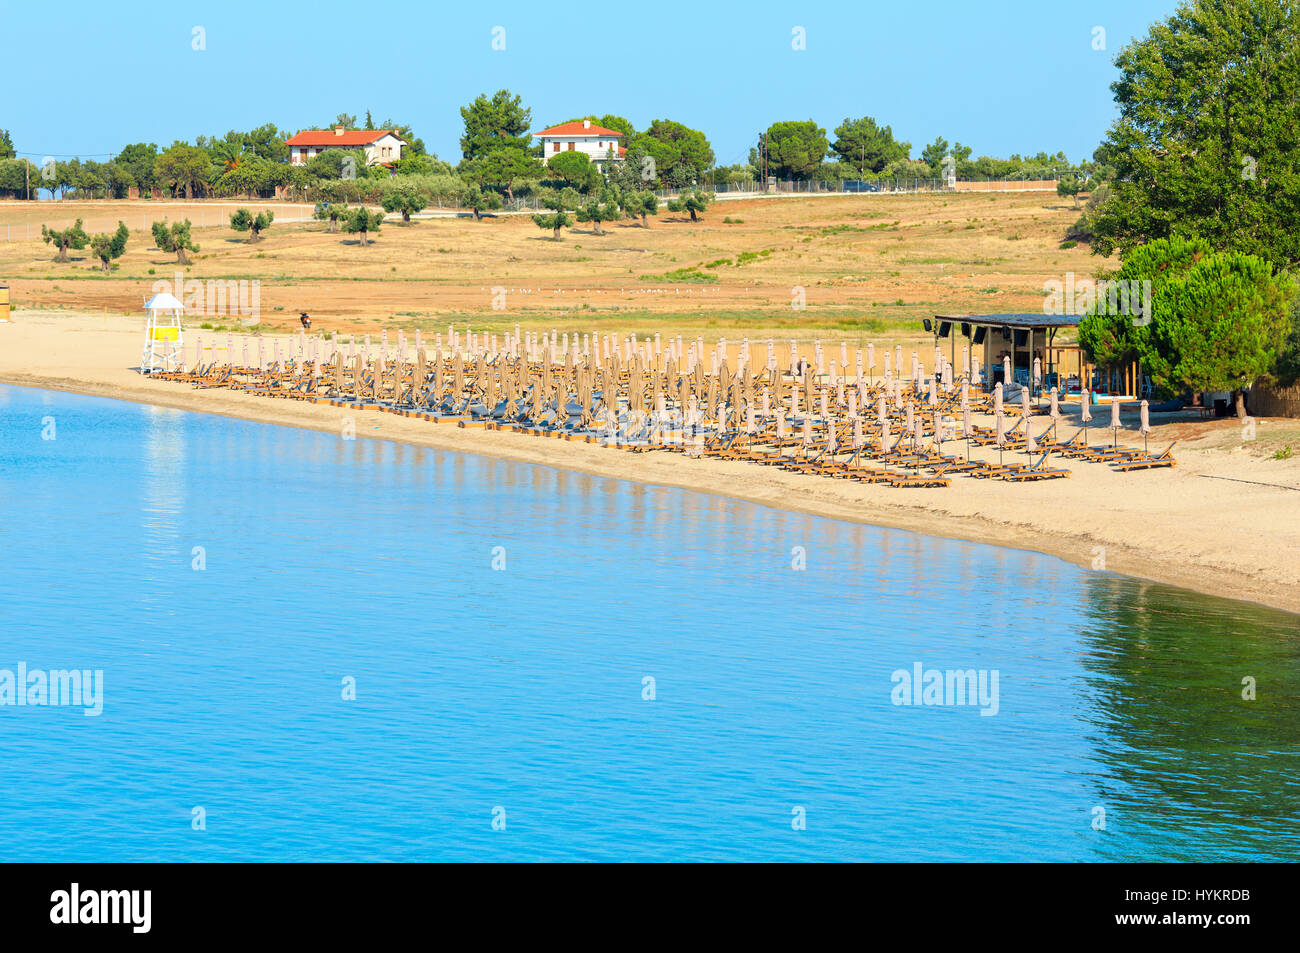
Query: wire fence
(101, 215)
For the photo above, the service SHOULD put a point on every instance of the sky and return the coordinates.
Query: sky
(1017, 77)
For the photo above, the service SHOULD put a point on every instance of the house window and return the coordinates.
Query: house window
(570, 146)
(555, 147)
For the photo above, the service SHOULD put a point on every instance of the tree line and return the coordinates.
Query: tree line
(498, 156)
(1198, 193)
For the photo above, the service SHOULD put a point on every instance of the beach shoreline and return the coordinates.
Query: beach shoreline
(1221, 537)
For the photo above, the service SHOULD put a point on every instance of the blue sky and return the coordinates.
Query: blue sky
(1018, 77)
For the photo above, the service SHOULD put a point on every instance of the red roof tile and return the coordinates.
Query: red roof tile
(576, 128)
(350, 137)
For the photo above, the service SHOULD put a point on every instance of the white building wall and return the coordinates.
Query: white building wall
(596, 148)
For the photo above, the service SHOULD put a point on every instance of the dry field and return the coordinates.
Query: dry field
(869, 267)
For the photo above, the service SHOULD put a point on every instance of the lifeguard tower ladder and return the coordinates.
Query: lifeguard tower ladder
(164, 336)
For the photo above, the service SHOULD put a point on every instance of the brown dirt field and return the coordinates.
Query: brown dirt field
(870, 265)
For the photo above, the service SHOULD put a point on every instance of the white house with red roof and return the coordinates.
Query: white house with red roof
(583, 135)
(381, 146)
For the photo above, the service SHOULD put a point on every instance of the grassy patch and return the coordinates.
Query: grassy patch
(692, 275)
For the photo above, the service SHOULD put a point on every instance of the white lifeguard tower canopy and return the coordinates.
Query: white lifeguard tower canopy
(164, 337)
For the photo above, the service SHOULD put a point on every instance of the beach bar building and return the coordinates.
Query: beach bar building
(1024, 336)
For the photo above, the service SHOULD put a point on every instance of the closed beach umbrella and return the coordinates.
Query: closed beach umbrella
(997, 399)
(857, 433)
(1145, 424)
(884, 434)
(1031, 445)
(1024, 406)
(1000, 433)
(1114, 419)
(807, 432)
(1054, 411)
(1006, 370)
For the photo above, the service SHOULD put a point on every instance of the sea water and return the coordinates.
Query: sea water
(317, 648)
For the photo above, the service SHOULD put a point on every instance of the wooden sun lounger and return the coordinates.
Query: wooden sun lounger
(1148, 462)
(907, 480)
(1028, 474)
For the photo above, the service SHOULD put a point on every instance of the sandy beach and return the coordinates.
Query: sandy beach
(1225, 521)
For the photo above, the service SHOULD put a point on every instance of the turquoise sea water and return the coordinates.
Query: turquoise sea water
(518, 693)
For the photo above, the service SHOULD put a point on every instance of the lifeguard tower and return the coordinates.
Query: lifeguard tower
(164, 337)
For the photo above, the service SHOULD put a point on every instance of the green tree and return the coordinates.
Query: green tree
(175, 238)
(414, 144)
(184, 167)
(405, 199)
(252, 176)
(1205, 143)
(339, 164)
(693, 201)
(679, 155)
(866, 147)
(558, 203)
(641, 204)
(504, 166)
(1114, 340)
(331, 213)
(575, 168)
(55, 177)
(1069, 186)
(795, 149)
(478, 200)
(499, 122)
(1224, 326)
(74, 237)
(362, 222)
(597, 210)
(6, 145)
(109, 247)
(15, 177)
(934, 154)
(245, 221)
(138, 159)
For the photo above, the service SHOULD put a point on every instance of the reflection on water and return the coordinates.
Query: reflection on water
(770, 638)
(162, 487)
(1193, 702)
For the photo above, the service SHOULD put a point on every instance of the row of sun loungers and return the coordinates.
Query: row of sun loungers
(833, 445)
